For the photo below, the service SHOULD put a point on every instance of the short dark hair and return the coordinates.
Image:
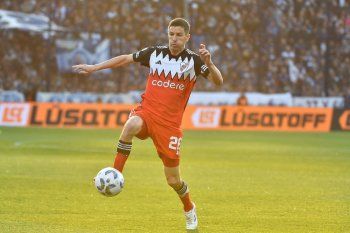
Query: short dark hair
(180, 22)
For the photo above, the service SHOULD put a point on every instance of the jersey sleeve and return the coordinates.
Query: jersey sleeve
(200, 67)
(143, 56)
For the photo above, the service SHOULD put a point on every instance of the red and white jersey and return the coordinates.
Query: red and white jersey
(170, 81)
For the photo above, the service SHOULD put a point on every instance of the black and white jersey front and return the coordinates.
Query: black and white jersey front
(170, 80)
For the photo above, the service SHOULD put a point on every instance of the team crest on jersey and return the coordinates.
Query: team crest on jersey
(183, 66)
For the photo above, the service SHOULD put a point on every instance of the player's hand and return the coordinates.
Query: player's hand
(83, 69)
(204, 54)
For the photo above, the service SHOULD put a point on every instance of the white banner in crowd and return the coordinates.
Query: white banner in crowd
(230, 98)
(331, 102)
(27, 22)
(85, 51)
(68, 97)
(197, 98)
(11, 96)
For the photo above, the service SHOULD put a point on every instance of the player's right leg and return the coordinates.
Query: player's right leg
(132, 127)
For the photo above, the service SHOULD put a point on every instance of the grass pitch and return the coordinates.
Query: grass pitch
(240, 181)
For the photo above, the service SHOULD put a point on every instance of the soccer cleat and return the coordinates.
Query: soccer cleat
(191, 218)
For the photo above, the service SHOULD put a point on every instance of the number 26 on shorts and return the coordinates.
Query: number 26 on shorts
(174, 144)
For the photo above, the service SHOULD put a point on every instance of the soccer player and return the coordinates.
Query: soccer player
(173, 73)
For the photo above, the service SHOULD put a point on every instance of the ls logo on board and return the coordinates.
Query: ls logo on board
(14, 114)
(206, 117)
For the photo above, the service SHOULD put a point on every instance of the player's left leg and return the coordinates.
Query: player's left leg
(174, 180)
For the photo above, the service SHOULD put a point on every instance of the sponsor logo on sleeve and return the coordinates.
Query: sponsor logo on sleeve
(204, 68)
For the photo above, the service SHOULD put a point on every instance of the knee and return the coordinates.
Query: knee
(174, 182)
(133, 126)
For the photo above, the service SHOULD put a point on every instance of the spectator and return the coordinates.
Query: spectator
(242, 100)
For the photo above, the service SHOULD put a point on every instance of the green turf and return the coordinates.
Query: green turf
(240, 181)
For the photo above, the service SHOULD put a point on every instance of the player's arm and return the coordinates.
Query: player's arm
(214, 73)
(118, 61)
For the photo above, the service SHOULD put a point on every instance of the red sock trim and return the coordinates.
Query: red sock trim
(119, 161)
(187, 202)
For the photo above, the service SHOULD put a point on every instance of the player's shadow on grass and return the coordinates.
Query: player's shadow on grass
(192, 231)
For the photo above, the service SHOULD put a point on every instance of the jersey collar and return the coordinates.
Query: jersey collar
(182, 54)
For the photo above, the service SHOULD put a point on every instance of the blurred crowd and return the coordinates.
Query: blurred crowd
(270, 46)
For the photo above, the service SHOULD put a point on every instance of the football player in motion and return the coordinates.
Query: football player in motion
(172, 75)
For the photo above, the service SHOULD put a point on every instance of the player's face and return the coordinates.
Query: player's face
(177, 38)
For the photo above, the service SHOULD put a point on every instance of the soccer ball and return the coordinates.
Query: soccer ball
(109, 181)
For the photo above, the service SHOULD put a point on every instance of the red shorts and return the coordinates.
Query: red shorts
(166, 139)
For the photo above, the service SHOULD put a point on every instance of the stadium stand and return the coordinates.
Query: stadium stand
(273, 46)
